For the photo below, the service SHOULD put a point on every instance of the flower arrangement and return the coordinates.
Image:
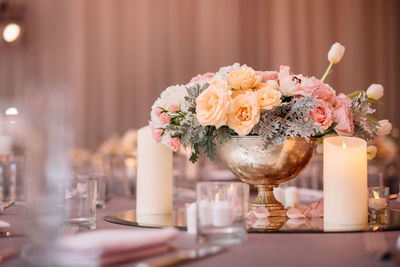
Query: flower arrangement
(237, 100)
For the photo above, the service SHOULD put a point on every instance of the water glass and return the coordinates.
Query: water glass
(221, 212)
(80, 200)
(8, 180)
(120, 172)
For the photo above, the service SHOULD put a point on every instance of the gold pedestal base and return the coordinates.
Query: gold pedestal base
(266, 198)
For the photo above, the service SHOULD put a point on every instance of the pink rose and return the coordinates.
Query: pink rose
(322, 114)
(200, 77)
(267, 75)
(174, 144)
(164, 118)
(321, 90)
(158, 111)
(342, 99)
(344, 118)
(173, 108)
(157, 133)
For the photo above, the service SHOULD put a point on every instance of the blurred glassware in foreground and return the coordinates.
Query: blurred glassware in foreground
(221, 212)
(80, 201)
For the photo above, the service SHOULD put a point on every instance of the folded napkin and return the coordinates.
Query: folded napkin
(107, 247)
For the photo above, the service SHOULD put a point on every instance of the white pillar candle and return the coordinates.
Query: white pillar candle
(154, 179)
(222, 213)
(191, 218)
(291, 196)
(279, 194)
(345, 181)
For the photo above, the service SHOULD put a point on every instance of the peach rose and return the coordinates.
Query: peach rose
(267, 75)
(200, 77)
(268, 97)
(244, 113)
(174, 144)
(322, 115)
(243, 78)
(344, 118)
(235, 93)
(158, 111)
(213, 103)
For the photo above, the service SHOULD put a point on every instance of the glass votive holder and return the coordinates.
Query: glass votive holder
(221, 212)
(80, 200)
(378, 203)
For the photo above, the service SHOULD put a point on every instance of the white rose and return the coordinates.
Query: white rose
(375, 91)
(371, 152)
(384, 127)
(336, 52)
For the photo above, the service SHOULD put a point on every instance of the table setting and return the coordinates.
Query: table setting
(139, 199)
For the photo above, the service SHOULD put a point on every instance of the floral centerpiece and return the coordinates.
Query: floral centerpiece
(238, 100)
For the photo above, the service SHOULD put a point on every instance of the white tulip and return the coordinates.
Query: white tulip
(371, 152)
(384, 127)
(336, 52)
(375, 91)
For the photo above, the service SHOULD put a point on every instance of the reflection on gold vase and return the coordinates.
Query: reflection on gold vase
(266, 168)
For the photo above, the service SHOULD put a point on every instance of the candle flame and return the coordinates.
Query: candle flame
(376, 195)
(376, 228)
(344, 145)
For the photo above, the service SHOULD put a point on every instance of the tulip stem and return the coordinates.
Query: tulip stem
(327, 72)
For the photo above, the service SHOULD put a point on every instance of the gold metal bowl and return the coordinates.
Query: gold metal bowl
(249, 159)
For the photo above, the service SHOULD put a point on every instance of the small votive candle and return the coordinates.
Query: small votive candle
(222, 213)
(378, 197)
(378, 203)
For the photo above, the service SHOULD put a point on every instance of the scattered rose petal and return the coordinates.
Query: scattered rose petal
(294, 213)
(295, 223)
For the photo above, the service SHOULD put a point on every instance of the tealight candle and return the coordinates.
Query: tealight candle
(204, 211)
(377, 203)
(291, 197)
(378, 198)
(221, 213)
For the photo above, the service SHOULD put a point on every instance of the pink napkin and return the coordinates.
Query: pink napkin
(107, 247)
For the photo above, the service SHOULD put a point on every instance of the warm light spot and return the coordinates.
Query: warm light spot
(376, 195)
(11, 111)
(130, 162)
(11, 32)
(217, 197)
(376, 228)
(344, 145)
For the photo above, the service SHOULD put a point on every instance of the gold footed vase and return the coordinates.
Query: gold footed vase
(266, 168)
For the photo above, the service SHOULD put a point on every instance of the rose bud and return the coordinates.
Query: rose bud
(375, 91)
(384, 127)
(336, 52)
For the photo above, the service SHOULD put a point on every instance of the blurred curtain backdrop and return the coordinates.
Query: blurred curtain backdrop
(116, 56)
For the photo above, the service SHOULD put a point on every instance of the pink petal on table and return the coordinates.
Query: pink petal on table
(307, 211)
(294, 213)
(261, 212)
(317, 223)
(294, 223)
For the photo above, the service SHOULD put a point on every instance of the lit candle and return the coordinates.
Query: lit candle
(204, 211)
(221, 213)
(376, 202)
(154, 176)
(345, 181)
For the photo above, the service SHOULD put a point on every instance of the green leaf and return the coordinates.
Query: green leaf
(194, 156)
(371, 100)
(369, 117)
(223, 134)
(354, 94)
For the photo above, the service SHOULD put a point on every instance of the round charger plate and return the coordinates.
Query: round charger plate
(272, 224)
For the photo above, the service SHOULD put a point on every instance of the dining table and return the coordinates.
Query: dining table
(260, 249)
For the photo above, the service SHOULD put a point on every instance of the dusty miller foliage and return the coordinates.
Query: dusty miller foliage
(365, 126)
(291, 118)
